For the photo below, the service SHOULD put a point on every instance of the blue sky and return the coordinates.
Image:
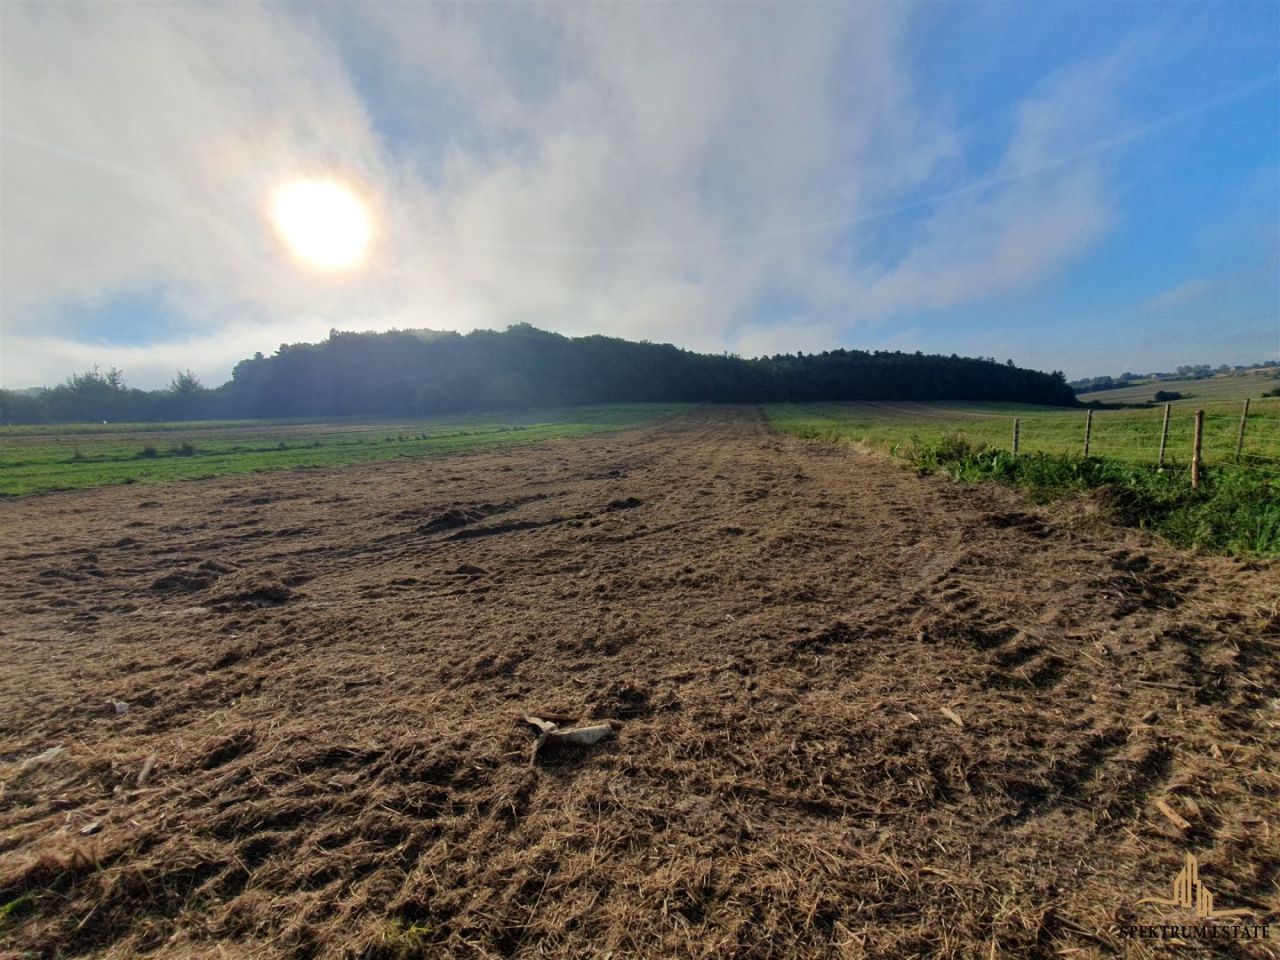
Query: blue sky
(1089, 187)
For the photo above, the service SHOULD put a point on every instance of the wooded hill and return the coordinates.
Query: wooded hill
(423, 372)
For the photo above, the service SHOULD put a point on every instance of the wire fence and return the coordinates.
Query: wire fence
(1161, 438)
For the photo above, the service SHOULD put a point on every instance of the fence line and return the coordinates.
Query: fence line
(1167, 440)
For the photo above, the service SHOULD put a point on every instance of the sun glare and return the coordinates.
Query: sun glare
(323, 222)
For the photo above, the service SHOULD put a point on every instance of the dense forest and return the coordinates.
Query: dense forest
(422, 372)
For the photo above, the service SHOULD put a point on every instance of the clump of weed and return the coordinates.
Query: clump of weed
(16, 908)
(147, 453)
(929, 456)
(400, 939)
(186, 450)
(826, 433)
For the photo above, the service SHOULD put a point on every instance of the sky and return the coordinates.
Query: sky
(1090, 187)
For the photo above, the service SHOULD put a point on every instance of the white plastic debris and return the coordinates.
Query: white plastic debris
(578, 736)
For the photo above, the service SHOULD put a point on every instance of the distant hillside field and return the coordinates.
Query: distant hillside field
(1232, 386)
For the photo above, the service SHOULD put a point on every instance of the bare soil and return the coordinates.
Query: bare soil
(859, 713)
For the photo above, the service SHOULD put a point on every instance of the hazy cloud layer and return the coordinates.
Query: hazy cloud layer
(702, 174)
(1184, 293)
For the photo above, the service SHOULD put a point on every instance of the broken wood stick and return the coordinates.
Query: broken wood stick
(1173, 816)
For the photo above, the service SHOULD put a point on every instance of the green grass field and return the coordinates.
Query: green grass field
(1129, 435)
(1234, 510)
(73, 456)
(1227, 387)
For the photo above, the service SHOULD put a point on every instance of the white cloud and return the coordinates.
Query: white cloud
(787, 335)
(1011, 229)
(140, 143)
(1186, 292)
(648, 171)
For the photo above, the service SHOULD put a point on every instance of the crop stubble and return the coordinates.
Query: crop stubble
(330, 667)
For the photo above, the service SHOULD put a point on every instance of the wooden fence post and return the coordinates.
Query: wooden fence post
(1015, 435)
(1195, 450)
(1164, 437)
(1244, 416)
(1088, 430)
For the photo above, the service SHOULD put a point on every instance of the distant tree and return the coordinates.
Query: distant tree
(187, 399)
(185, 383)
(94, 382)
(1167, 396)
(94, 395)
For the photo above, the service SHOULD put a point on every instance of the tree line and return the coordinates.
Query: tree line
(424, 372)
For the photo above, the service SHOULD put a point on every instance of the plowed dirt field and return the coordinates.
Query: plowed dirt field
(857, 712)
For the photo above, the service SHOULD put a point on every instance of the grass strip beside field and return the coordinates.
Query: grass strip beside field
(1235, 510)
(1130, 435)
(68, 458)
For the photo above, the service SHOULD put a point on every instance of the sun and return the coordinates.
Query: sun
(323, 222)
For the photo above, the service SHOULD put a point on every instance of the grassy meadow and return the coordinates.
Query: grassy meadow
(39, 459)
